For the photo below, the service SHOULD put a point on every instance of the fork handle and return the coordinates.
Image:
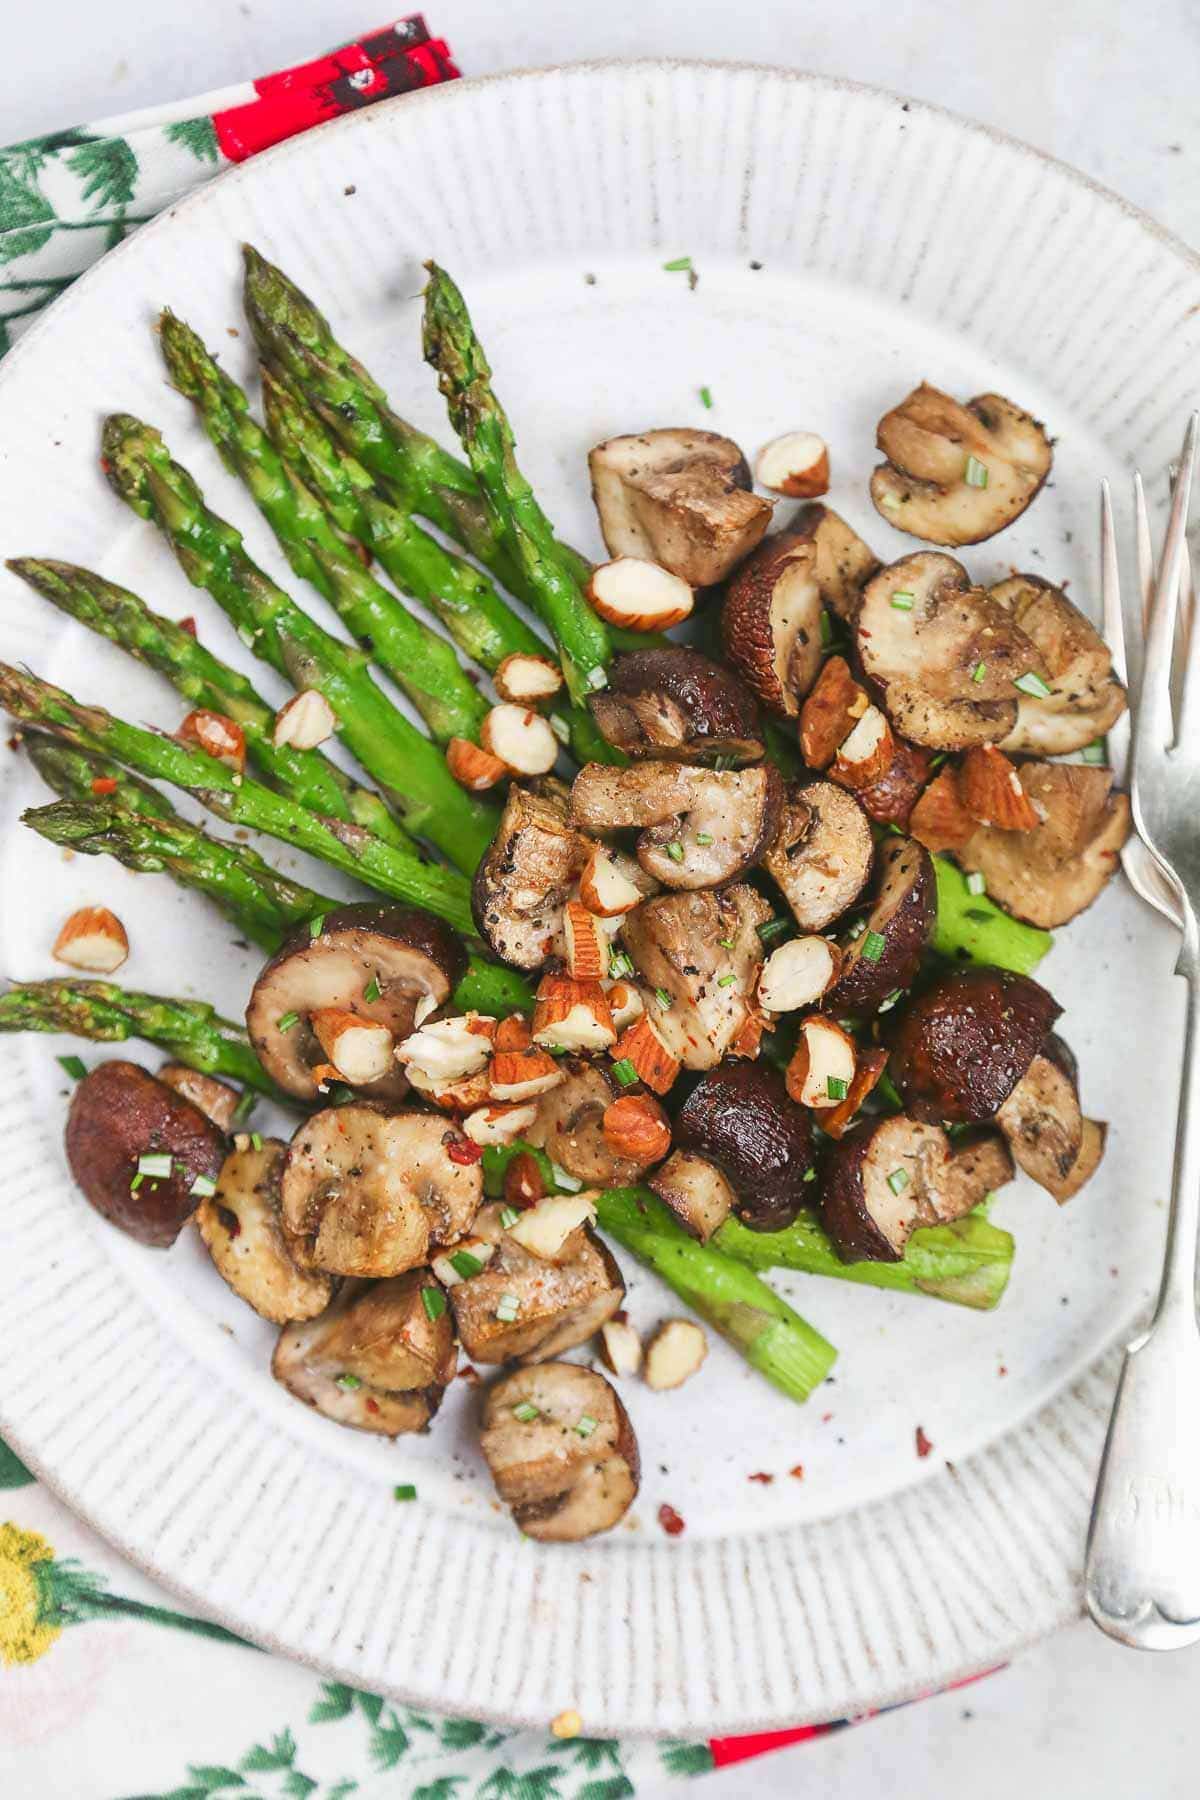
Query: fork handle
(1142, 1577)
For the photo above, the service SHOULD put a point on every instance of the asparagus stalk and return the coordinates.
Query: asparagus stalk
(205, 681)
(237, 798)
(410, 769)
(972, 926)
(967, 1262)
(190, 1030)
(551, 577)
(421, 662)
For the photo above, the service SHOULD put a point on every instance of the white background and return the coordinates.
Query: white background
(1109, 87)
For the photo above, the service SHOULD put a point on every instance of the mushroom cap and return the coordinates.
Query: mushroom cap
(379, 1335)
(1049, 874)
(684, 945)
(844, 563)
(570, 1127)
(700, 828)
(739, 1117)
(563, 1485)
(887, 1177)
(903, 914)
(771, 621)
(822, 854)
(931, 442)
(1085, 698)
(674, 702)
(955, 642)
(559, 1304)
(524, 881)
(960, 1047)
(241, 1228)
(680, 498)
(696, 1192)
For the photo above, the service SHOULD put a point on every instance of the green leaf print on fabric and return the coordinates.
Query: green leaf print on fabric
(335, 1702)
(445, 1787)
(535, 1784)
(594, 1753)
(610, 1787)
(389, 1741)
(26, 216)
(686, 1759)
(196, 135)
(108, 169)
(13, 1473)
(281, 1755)
(461, 1734)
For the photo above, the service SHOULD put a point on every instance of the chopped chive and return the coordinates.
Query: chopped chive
(704, 837)
(570, 1184)
(663, 998)
(434, 1302)
(136, 1183)
(706, 398)
(203, 1187)
(976, 473)
(976, 884)
(979, 671)
(680, 265)
(406, 1491)
(898, 1180)
(873, 945)
(349, 1384)
(316, 926)
(726, 980)
(773, 928)
(245, 1106)
(255, 1140)
(886, 1004)
(826, 629)
(597, 678)
(586, 1425)
(1092, 753)
(1032, 684)
(835, 1087)
(74, 1066)
(810, 1174)
(507, 1308)
(619, 964)
(675, 851)
(285, 1021)
(560, 728)
(722, 764)
(464, 1264)
(527, 1412)
(624, 1072)
(509, 1217)
(725, 943)
(156, 1165)
(903, 601)
(372, 990)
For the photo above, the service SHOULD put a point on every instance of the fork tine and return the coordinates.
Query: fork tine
(1114, 630)
(1145, 555)
(1154, 731)
(1189, 638)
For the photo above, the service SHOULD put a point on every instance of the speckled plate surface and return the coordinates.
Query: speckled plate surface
(847, 244)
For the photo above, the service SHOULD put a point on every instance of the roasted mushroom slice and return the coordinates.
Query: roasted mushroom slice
(703, 827)
(889, 1176)
(369, 962)
(699, 956)
(141, 1153)
(771, 621)
(1084, 697)
(822, 854)
(569, 1127)
(947, 724)
(216, 1099)
(524, 881)
(529, 1306)
(370, 1193)
(379, 1359)
(741, 1118)
(677, 703)
(680, 498)
(561, 1451)
(241, 1228)
(890, 799)
(960, 1047)
(696, 1192)
(1049, 874)
(1044, 1124)
(958, 474)
(886, 954)
(844, 563)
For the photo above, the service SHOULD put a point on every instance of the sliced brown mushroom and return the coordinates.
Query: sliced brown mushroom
(887, 953)
(681, 498)
(1085, 699)
(1049, 874)
(958, 474)
(960, 1047)
(702, 827)
(945, 655)
(141, 1153)
(1042, 1119)
(771, 621)
(980, 1163)
(888, 1177)
(696, 1192)
(890, 799)
(569, 1127)
(741, 1118)
(699, 956)
(370, 1193)
(822, 854)
(241, 1228)
(844, 563)
(379, 1359)
(525, 1306)
(676, 703)
(379, 963)
(561, 1451)
(216, 1099)
(524, 881)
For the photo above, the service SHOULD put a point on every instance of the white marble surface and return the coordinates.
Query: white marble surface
(1109, 87)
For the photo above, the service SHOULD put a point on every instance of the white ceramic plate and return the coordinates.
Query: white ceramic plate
(847, 244)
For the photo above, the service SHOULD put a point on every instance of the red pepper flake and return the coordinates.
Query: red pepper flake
(470, 1373)
(763, 1479)
(372, 1406)
(104, 784)
(797, 1473)
(670, 1520)
(462, 1150)
(825, 1418)
(1003, 1369)
(188, 625)
(105, 465)
(923, 1444)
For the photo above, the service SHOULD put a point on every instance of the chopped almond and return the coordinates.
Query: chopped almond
(822, 1065)
(572, 1015)
(637, 1127)
(461, 1096)
(796, 464)
(939, 820)
(747, 1040)
(495, 1124)
(798, 973)
(639, 594)
(524, 1183)
(523, 1074)
(219, 737)
(513, 1033)
(322, 1074)
(620, 1346)
(521, 738)
(306, 721)
(472, 767)
(482, 1025)
(548, 1229)
(830, 712)
(644, 1049)
(624, 1002)
(587, 943)
(605, 888)
(867, 754)
(991, 790)
(867, 1071)
(360, 1049)
(444, 1050)
(527, 680)
(451, 1265)
(674, 1354)
(93, 939)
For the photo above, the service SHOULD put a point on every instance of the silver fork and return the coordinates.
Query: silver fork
(1142, 1577)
